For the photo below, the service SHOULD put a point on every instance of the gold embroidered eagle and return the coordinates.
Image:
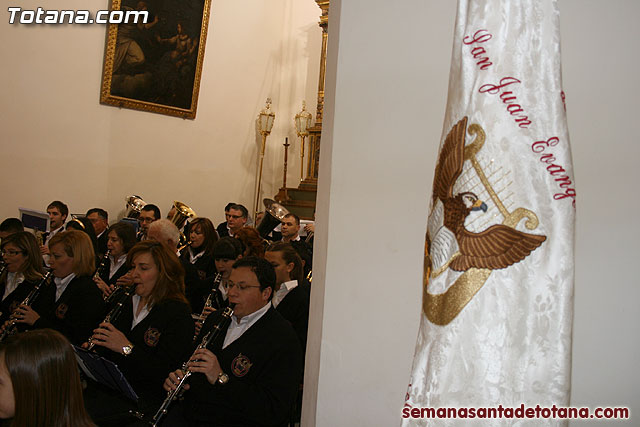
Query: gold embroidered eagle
(454, 246)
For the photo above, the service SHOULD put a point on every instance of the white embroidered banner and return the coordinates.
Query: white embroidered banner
(499, 266)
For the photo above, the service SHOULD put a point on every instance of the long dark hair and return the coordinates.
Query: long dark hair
(26, 242)
(209, 231)
(46, 381)
(170, 283)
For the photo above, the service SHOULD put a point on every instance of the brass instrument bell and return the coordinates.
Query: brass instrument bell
(181, 214)
(273, 215)
(134, 206)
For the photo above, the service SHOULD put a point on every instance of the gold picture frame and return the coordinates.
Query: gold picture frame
(156, 66)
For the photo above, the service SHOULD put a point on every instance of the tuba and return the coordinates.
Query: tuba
(273, 215)
(179, 218)
(134, 206)
(181, 215)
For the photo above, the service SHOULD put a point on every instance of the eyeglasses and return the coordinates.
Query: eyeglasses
(241, 287)
(11, 253)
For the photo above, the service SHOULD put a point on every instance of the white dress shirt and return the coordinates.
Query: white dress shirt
(144, 312)
(193, 258)
(115, 264)
(285, 288)
(62, 283)
(13, 280)
(237, 328)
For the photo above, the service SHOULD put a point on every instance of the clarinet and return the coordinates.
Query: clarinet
(114, 313)
(102, 264)
(3, 267)
(214, 299)
(12, 327)
(214, 333)
(114, 294)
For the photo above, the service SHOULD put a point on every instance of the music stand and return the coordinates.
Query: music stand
(104, 372)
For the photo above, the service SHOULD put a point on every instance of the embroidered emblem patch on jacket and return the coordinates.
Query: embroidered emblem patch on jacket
(240, 365)
(151, 337)
(61, 310)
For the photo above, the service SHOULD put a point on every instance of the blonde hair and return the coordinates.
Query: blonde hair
(78, 246)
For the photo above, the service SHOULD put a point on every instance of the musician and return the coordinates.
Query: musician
(254, 244)
(290, 227)
(148, 214)
(292, 293)
(251, 373)
(72, 304)
(39, 381)
(10, 226)
(153, 333)
(236, 219)
(198, 262)
(226, 252)
(58, 212)
(121, 238)
(23, 261)
(83, 224)
(222, 227)
(100, 220)
(165, 232)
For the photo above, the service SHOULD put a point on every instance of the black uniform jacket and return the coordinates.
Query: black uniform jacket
(102, 243)
(295, 308)
(161, 343)
(104, 272)
(14, 299)
(265, 370)
(76, 313)
(198, 279)
(222, 229)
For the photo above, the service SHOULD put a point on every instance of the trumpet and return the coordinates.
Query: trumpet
(114, 313)
(214, 333)
(214, 297)
(12, 328)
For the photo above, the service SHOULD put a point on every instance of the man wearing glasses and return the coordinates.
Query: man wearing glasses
(148, 214)
(250, 375)
(237, 217)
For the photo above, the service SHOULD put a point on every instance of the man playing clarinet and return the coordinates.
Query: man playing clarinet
(249, 375)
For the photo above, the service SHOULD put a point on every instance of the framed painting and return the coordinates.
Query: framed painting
(156, 65)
